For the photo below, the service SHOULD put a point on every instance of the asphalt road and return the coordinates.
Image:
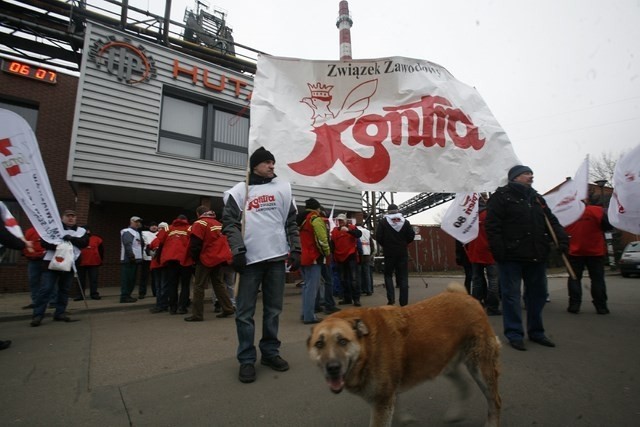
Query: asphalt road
(126, 367)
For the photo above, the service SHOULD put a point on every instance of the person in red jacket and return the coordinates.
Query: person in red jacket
(587, 249)
(157, 272)
(176, 263)
(345, 252)
(484, 289)
(210, 250)
(315, 248)
(90, 259)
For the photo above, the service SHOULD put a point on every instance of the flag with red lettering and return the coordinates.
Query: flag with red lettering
(24, 173)
(624, 207)
(566, 202)
(391, 124)
(461, 219)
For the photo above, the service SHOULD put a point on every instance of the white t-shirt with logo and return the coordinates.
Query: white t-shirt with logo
(266, 211)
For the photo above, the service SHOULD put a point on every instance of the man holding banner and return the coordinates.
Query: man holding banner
(79, 238)
(259, 219)
(518, 227)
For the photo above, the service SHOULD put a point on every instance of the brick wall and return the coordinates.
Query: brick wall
(55, 104)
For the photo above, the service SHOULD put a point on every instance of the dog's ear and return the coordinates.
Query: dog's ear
(360, 328)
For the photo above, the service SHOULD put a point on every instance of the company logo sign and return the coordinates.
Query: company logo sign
(129, 63)
(431, 121)
(14, 159)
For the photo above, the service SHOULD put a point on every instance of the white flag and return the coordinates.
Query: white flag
(566, 202)
(391, 124)
(10, 222)
(23, 171)
(624, 207)
(461, 219)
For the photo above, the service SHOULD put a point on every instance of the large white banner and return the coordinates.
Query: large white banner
(390, 124)
(624, 207)
(566, 202)
(461, 219)
(23, 171)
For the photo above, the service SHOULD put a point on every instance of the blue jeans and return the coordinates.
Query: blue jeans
(310, 287)
(162, 290)
(350, 286)
(327, 283)
(533, 275)
(34, 273)
(51, 279)
(400, 265)
(486, 289)
(270, 277)
(366, 285)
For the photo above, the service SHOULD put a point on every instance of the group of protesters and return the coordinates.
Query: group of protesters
(264, 242)
(506, 262)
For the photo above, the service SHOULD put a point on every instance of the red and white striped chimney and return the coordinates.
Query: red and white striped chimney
(344, 24)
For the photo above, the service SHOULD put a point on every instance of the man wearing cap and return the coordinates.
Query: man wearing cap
(131, 248)
(519, 239)
(79, 238)
(315, 250)
(266, 207)
(345, 238)
(394, 233)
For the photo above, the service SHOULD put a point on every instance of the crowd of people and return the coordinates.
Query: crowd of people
(504, 266)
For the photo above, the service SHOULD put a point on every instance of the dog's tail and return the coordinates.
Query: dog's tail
(456, 287)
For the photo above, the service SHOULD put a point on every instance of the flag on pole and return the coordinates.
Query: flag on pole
(390, 124)
(624, 207)
(10, 222)
(24, 173)
(566, 202)
(461, 219)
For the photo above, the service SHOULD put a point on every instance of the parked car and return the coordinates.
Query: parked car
(629, 262)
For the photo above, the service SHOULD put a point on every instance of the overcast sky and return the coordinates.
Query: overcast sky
(561, 76)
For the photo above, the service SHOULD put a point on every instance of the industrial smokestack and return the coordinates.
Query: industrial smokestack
(344, 24)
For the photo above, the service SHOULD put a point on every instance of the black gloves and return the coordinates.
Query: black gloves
(563, 247)
(67, 237)
(239, 262)
(294, 261)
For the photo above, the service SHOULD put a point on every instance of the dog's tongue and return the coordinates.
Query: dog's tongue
(336, 384)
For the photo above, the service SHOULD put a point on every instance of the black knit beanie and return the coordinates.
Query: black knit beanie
(518, 170)
(259, 156)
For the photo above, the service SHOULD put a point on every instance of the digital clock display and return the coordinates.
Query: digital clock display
(29, 71)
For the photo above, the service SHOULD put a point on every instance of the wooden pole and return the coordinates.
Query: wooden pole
(555, 240)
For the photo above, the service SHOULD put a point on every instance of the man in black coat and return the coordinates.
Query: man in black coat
(520, 241)
(394, 233)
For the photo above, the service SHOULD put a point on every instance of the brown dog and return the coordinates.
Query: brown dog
(381, 351)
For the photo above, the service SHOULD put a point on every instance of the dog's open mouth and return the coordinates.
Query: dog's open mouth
(336, 384)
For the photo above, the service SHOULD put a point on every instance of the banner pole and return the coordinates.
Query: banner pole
(564, 257)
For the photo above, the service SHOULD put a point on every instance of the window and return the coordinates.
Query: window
(29, 113)
(203, 129)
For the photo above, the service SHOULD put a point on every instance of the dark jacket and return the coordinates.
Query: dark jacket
(516, 226)
(394, 242)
